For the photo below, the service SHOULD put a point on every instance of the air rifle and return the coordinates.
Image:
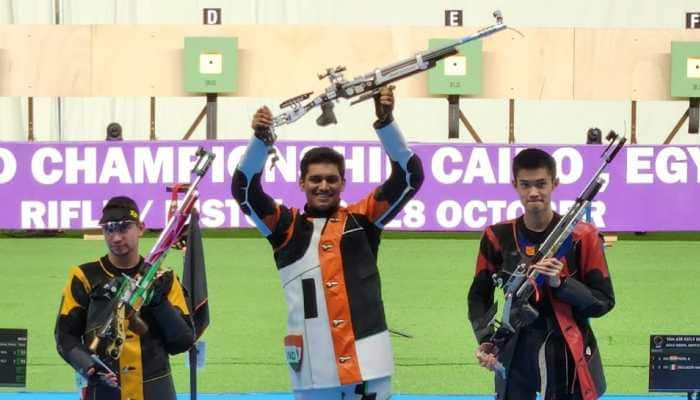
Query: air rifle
(524, 282)
(132, 293)
(367, 86)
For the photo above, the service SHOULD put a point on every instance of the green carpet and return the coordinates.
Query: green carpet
(424, 281)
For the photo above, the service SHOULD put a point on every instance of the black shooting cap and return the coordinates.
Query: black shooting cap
(120, 208)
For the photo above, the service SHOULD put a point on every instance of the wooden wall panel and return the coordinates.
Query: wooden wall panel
(625, 64)
(285, 61)
(537, 66)
(282, 61)
(43, 60)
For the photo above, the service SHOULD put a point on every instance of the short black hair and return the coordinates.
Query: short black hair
(533, 159)
(120, 208)
(323, 154)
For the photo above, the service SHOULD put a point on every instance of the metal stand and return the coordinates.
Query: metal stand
(30, 119)
(211, 116)
(196, 122)
(153, 119)
(192, 353)
(209, 110)
(469, 127)
(455, 115)
(633, 135)
(677, 127)
(693, 115)
(511, 120)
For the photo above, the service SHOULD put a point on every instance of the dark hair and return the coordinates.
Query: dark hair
(533, 159)
(319, 155)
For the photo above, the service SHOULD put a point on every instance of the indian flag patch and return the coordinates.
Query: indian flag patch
(294, 351)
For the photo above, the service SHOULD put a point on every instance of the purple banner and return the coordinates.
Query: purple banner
(467, 187)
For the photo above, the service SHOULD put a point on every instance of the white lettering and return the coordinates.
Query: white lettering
(570, 157)
(514, 210)
(42, 175)
(638, 161)
(52, 214)
(448, 214)
(497, 207)
(87, 220)
(158, 169)
(55, 214)
(477, 213)
(414, 214)
(441, 156)
(32, 214)
(9, 165)
(70, 210)
(470, 218)
(597, 212)
(145, 210)
(217, 165)
(479, 166)
(695, 156)
(375, 164)
(356, 164)
(504, 163)
(115, 166)
(74, 164)
(669, 171)
(212, 215)
(186, 161)
(233, 159)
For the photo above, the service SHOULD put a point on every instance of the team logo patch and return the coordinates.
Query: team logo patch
(530, 251)
(294, 351)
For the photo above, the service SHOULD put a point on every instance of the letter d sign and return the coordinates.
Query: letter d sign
(212, 16)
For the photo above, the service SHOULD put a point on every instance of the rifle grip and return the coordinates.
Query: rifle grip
(327, 116)
(136, 324)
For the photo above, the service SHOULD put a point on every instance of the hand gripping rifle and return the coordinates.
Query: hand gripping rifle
(523, 283)
(367, 86)
(132, 293)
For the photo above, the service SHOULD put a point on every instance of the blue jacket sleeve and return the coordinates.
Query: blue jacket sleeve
(382, 205)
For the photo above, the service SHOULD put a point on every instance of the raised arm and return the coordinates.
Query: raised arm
(406, 169)
(271, 219)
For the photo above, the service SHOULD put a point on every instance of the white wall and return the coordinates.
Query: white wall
(421, 119)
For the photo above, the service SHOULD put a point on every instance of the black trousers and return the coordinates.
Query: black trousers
(541, 363)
